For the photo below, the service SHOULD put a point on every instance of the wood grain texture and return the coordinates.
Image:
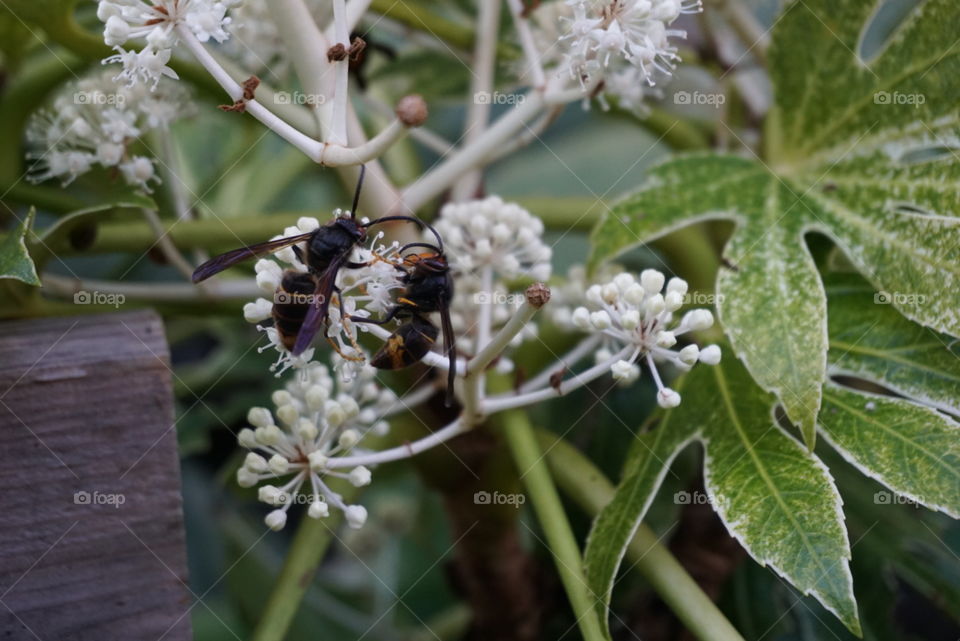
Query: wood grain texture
(91, 539)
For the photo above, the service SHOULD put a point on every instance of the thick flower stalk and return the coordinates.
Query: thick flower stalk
(316, 417)
(638, 316)
(96, 122)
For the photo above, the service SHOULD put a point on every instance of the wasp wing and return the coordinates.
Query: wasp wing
(219, 263)
(450, 347)
(317, 314)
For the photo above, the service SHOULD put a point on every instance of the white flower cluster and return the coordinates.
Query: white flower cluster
(363, 292)
(316, 418)
(624, 43)
(154, 23)
(640, 314)
(94, 121)
(489, 242)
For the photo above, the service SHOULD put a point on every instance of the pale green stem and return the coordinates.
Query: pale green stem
(556, 527)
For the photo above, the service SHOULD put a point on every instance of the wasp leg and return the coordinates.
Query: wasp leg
(298, 252)
(350, 337)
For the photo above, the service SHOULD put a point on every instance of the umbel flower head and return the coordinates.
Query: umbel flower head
(488, 242)
(624, 42)
(154, 24)
(363, 292)
(316, 417)
(95, 121)
(637, 317)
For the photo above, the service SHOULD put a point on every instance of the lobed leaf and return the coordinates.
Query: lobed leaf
(15, 261)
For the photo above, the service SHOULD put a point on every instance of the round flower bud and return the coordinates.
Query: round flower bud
(269, 435)
(257, 311)
(334, 414)
(689, 354)
(271, 495)
(356, 516)
(279, 464)
(673, 301)
(677, 285)
(306, 429)
(288, 414)
(246, 438)
(255, 463)
(630, 319)
(634, 294)
(710, 355)
(666, 339)
(316, 397)
(276, 520)
(697, 319)
(348, 439)
(581, 318)
(246, 478)
(359, 476)
(318, 510)
(655, 305)
(594, 295)
(307, 224)
(259, 417)
(281, 397)
(621, 370)
(349, 405)
(624, 280)
(651, 280)
(600, 320)
(610, 293)
(412, 110)
(667, 398)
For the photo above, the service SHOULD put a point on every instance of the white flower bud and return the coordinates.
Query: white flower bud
(667, 398)
(673, 301)
(271, 495)
(610, 293)
(482, 249)
(288, 414)
(269, 275)
(255, 463)
(276, 520)
(359, 476)
(594, 295)
(307, 224)
(318, 510)
(356, 516)
(624, 280)
(281, 397)
(621, 370)
(349, 405)
(334, 414)
(246, 478)
(348, 439)
(634, 294)
(581, 318)
(316, 397)
(689, 354)
(677, 285)
(600, 320)
(651, 280)
(246, 438)
(116, 31)
(269, 435)
(259, 417)
(666, 339)
(259, 310)
(710, 355)
(697, 319)
(279, 464)
(318, 461)
(655, 305)
(307, 429)
(630, 319)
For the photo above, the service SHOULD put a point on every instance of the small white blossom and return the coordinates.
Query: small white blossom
(636, 317)
(624, 43)
(154, 24)
(94, 122)
(293, 457)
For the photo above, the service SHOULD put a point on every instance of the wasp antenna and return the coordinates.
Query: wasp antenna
(423, 245)
(436, 235)
(356, 194)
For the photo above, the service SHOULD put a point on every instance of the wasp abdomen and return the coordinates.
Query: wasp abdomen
(407, 345)
(291, 302)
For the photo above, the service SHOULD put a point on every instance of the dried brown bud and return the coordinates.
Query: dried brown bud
(250, 86)
(412, 110)
(336, 53)
(538, 294)
(357, 45)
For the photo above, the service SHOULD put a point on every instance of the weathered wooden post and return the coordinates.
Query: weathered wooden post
(92, 527)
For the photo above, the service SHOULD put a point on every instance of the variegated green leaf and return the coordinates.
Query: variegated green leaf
(859, 150)
(774, 495)
(913, 450)
(15, 261)
(869, 339)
